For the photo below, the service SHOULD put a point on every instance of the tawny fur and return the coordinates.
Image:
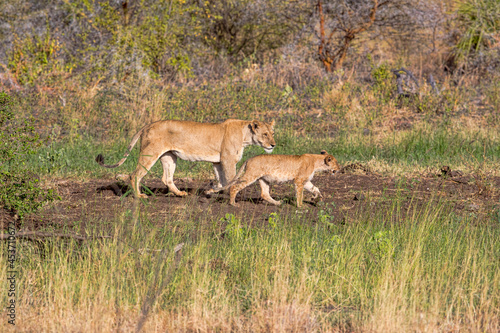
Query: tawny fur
(222, 144)
(281, 168)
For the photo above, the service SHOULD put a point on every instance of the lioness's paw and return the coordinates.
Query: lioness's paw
(182, 193)
(122, 177)
(142, 196)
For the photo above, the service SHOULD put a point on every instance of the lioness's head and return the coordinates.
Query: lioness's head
(263, 134)
(330, 162)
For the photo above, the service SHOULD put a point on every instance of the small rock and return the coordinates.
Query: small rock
(445, 171)
(359, 197)
(366, 131)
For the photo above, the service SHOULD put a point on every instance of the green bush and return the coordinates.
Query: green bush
(19, 187)
(33, 56)
(480, 22)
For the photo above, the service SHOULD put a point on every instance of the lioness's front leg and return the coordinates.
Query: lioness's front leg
(218, 173)
(228, 171)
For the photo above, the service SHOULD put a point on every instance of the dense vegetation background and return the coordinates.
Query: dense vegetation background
(61, 53)
(403, 87)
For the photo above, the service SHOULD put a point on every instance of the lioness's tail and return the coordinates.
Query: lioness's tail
(100, 159)
(232, 182)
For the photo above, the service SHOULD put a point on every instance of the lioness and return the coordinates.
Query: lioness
(222, 144)
(281, 168)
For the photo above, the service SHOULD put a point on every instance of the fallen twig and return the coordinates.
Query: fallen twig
(399, 80)
(36, 235)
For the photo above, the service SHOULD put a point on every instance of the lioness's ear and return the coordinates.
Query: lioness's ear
(272, 123)
(328, 159)
(255, 124)
(323, 152)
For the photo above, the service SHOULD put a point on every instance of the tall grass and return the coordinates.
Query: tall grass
(432, 271)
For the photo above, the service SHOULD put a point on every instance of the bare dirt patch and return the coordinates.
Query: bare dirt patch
(356, 191)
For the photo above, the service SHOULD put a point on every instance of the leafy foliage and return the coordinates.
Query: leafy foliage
(19, 190)
(248, 27)
(480, 21)
(152, 37)
(380, 245)
(33, 55)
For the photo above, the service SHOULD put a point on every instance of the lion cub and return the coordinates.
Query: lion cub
(281, 168)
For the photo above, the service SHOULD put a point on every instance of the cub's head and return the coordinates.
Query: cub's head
(263, 134)
(331, 163)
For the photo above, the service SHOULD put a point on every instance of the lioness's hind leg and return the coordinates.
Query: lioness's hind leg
(146, 161)
(264, 189)
(169, 162)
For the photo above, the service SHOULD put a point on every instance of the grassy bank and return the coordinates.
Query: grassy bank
(431, 271)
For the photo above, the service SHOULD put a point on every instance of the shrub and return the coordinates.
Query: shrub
(32, 56)
(480, 22)
(19, 187)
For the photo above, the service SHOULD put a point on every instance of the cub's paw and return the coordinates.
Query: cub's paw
(210, 191)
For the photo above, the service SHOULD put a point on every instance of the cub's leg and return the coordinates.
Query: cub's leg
(264, 193)
(240, 184)
(299, 192)
(147, 159)
(169, 162)
(313, 189)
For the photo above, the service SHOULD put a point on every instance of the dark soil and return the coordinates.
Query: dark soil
(354, 192)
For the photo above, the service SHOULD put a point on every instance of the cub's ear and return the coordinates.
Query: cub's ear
(323, 152)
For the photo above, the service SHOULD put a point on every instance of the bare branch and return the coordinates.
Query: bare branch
(433, 84)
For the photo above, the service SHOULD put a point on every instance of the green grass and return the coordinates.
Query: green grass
(431, 269)
(416, 148)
